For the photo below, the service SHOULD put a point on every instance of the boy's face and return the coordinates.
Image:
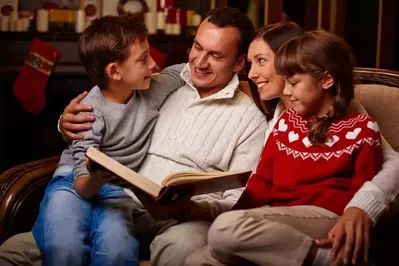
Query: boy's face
(137, 69)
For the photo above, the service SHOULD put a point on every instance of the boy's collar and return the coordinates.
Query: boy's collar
(225, 93)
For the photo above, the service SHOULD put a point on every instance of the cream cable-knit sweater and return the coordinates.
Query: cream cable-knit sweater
(222, 132)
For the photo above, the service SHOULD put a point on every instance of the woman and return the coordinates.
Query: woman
(370, 201)
(363, 210)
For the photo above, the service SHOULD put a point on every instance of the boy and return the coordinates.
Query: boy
(115, 53)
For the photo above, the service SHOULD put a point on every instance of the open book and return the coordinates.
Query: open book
(174, 185)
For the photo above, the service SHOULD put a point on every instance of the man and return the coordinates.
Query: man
(206, 125)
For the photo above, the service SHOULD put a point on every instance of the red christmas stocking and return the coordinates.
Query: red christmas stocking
(159, 59)
(29, 87)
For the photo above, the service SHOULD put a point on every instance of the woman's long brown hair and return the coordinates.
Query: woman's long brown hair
(315, 53)
(274, 35)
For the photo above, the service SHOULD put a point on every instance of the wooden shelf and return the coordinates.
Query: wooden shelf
(59, 69)
(73, 37)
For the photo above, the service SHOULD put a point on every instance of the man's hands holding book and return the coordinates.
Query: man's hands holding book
(178, 208)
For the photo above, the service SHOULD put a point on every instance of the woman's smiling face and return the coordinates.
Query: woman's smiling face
(262, 72)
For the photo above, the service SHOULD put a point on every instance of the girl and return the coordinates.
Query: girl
(316, 158)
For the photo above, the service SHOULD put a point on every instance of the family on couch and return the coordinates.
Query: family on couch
(321, 214)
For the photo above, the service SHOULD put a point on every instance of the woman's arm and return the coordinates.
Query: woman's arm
(375, 196)
(367, 205)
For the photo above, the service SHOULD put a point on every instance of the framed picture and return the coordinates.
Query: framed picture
(8, 6)
(92, 9)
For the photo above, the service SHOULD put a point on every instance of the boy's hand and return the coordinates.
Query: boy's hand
(104, 177)
(88, 186)
(72, 122)
(100, 174)
(349, 237)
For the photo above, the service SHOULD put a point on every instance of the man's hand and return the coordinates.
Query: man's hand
(72, 122)
(349, 237)
(179, 210)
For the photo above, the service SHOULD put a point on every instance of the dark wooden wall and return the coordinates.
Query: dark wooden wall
(370, 27)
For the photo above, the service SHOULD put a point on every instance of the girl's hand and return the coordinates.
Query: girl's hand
(72, 122)
(350, 235)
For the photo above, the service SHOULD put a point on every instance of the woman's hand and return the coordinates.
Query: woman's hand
(350, 235)
(72, 122)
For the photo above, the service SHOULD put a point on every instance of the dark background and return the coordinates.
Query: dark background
(25, 136)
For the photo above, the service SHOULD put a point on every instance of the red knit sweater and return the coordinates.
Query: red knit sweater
(292, 171)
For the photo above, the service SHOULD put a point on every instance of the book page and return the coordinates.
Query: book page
(190, 177)
(202, 184)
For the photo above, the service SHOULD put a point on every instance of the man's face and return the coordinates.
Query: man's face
(213, 57)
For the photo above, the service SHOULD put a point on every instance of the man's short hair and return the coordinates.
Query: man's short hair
(108, 40)
(233, 17)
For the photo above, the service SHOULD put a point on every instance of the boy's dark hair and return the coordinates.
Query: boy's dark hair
(233, 17)
(108, 40)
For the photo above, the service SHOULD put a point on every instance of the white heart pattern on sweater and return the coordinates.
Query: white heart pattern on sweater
(373, 126)
(292, 136)
(282, 126)
(353, 134)
(306, 142)
(331, 141)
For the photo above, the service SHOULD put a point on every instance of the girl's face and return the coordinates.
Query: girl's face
(308, 95)
(262, 73)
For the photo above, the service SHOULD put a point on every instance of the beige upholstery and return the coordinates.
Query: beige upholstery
(382, 103)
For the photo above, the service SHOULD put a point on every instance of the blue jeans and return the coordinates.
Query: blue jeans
(71, 230)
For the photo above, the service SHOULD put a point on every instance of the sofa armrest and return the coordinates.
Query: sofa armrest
(21, 191)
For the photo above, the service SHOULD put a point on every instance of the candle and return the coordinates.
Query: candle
(19, 25)
(42, 20)
(150, 20)
(80, 21)
(4, 23)
(196, 20)
(161, 20)
(26, 23)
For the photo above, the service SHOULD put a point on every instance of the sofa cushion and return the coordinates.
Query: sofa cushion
(382, 103)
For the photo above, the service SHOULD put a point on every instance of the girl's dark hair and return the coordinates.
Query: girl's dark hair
(315, 53)
(274, 35)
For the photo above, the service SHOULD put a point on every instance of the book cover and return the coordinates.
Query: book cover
(173, 186)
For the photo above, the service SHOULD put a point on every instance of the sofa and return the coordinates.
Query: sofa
(22, 187)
